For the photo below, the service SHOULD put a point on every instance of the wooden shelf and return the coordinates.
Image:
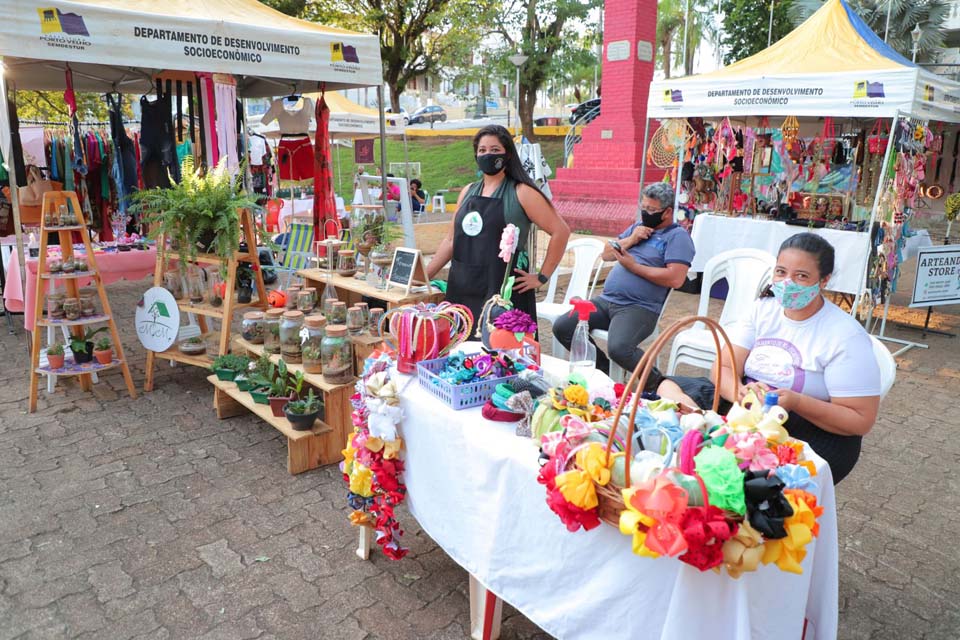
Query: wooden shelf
(199, 360)
(60, 275)
(172, 256)
(73, 227)
(71, 368)
(207, 309)
(63, 322)
(393, 296)
(313, 379)
(265, 413)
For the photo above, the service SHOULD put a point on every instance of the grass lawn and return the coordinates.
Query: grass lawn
(444, 162)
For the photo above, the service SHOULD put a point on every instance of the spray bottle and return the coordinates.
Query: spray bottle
(583, 354)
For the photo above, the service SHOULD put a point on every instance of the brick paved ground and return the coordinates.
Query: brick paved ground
(152, 519)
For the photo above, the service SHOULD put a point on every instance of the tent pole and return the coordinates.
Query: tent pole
(6, 136)
(244, 137)
(643, 158)
(383, 149)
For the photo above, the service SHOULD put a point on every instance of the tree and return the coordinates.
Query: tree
(669, 22)
(414, 34)
(670, 32)
(905, 15)
(293, 8)
(50, 106)
(538, 29)
(745, 25)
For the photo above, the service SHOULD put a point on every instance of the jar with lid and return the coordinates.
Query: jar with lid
(355, 321)
(305, 301)
(293, 292)
(173, 283)
(68, 266)
(312, 348)
(71, 308)
(80, 264)
(337, 355)
(338, 313)
(365, 309)
(290, 325)
(88, 301)
(196, 286)
(48, 219)
(313, 297)
(347, 263)
(54, 265)
(63, 216)
(252, 327)
(271, 331)
(332, 251)
(55, 305)
(376, 314)
(217, 287)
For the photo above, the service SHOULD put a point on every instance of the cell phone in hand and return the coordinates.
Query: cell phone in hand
(616, 246)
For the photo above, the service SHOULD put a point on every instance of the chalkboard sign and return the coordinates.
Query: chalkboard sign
(407, 268)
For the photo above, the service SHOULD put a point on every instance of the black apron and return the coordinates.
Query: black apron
(476, 271)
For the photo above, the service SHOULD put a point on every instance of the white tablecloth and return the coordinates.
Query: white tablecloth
(473, 488)
(714, 234)
(914, 243)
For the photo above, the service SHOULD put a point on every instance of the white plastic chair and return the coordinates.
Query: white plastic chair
(888, 366)
(586, 255)
(747, 272)
(617, 373)
(438, 204)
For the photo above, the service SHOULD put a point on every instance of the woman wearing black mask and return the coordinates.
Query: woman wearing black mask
(505, 195)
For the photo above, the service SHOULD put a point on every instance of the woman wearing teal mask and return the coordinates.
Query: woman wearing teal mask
(816, 358)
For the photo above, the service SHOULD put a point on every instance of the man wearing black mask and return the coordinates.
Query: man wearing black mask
(653, 256)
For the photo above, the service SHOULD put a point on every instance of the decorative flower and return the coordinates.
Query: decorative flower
(577, 488)
(577, 395)
(705, 530)
(657, 504)
(786, 454)
(360, 518)
(788, 552)
(572, 517)
(574, 429)
(811, 501)
(744, 551)
(767, 508)
(508, 242)
(515, 321)
(795, 476)
(718, 469)
(594, 460)
(361, 481)
(751, 449)
(618, 389)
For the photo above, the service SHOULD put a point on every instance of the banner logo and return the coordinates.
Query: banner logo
(340, 52)
(672, 95)
(52, 20)
(865, 89)
(929, 93)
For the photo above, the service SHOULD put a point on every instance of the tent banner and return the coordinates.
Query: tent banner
(122, 33)
(869, 94)
(937, 98)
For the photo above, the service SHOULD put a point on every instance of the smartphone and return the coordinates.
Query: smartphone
(616, 246)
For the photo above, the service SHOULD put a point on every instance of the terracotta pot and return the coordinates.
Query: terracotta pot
(55, 362)
(277, 403)
(105, 356)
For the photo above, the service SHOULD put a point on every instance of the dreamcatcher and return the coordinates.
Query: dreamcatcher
(667, 142)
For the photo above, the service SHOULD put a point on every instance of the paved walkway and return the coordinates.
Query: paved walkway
(152, 519)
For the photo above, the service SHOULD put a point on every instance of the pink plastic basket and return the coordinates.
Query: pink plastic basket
(460, 396)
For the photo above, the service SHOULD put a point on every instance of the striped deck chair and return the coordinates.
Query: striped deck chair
(297, 249)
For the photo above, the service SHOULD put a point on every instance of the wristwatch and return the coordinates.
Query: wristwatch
(542, 278)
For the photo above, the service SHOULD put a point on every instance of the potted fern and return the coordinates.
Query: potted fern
(103, 351)
(302, 414)
(201, 213)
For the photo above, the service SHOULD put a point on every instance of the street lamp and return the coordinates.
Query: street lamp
(915, 36)
(517, 59)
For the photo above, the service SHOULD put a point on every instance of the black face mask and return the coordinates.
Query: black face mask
(651, 220)
(492, 163)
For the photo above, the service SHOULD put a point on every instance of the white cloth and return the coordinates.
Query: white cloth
(226, 97)
(713, 234)
(472, 486)
(31, 138)
(289, 121)
(531, 156)
(258, 148)
(827, 355)
(920, 240)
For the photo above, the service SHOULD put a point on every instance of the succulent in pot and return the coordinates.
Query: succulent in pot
(55, 356)
(229, 365)
(279, 394)
(302, 414)
(103, 351)
(82, 346)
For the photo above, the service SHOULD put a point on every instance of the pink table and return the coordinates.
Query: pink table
(124, 265)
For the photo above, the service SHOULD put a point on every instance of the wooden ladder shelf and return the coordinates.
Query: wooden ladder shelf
(52, 201)
(203, 311)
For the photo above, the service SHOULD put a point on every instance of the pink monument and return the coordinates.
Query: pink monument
(601, 191)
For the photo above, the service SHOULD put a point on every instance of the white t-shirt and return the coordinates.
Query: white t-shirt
(828, 355)
(290, 121)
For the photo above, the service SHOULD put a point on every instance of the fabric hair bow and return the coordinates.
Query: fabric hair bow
(652, 516)
(767, 508)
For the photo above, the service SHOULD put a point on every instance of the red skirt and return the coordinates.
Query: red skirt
(295, 158)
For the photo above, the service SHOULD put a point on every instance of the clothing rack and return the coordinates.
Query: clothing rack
(51, 123)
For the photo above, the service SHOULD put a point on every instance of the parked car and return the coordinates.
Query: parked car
(583, 109)
(428, 114)
(403, 113)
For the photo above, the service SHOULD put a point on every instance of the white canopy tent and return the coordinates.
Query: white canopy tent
(119, 45)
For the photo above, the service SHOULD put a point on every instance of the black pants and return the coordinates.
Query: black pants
(840, 452)
(626, 327)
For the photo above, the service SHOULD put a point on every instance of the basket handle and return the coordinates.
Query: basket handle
(641, 374)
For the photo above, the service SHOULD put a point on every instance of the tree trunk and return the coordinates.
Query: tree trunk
(667, 53)
(528, 100)
(392, 77)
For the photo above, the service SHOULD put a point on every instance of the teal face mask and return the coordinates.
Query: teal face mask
(794, 296)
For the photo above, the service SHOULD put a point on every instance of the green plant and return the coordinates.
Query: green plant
(310, 404)
(311, 352)
(232, 362)
(278, 384)
(195, 340)
(295, 383)
(202, 209)
(56, 349)
(264, 367)
(103, 344)
(78, 344)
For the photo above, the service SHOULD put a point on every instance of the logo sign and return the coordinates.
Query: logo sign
(52, 20)
(672, 95)
(866, 89)
(363, 151)
(158, 319)
(340, 52)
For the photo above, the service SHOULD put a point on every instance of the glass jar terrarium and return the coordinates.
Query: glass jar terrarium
(305, 301)
(347, 263)
(376, 314)
(196, 286)
(173, 283)
(68, 266)
(292, 292)
(252, 327)
(71, 308)
(337, 313)
(217, 288)
(55, 305)
(312, 347)
(88, 301)
(290, 325)
(80, 264)
(271, 331)
(355, 322)
(365, 309)
(337, 355)
(314, 300)
(54, 265)
(331, 250)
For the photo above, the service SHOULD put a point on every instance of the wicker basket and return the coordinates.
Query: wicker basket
(610, 497)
